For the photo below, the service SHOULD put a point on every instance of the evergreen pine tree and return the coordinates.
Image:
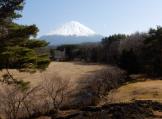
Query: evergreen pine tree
(17, 49)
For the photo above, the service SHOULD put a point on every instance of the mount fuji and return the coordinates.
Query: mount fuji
(71, 33)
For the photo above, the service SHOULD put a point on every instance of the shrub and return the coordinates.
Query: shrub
(96, 86)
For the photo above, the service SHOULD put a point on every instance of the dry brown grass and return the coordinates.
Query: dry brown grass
(146, 90)
(66, 70)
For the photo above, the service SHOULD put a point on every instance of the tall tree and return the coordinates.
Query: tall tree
(17, 49)
(129, 62)
(110, 47)
(153, 52)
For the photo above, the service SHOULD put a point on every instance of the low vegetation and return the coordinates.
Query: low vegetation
(48, 96)
(94, 87)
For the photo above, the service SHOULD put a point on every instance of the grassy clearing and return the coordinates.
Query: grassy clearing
(68, 70)
(146, 90)
(142, 90)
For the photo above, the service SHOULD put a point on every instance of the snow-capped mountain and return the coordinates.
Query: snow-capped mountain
(73, 28)
(71, 33)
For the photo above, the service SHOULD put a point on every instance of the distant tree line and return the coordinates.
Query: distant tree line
(136, 53)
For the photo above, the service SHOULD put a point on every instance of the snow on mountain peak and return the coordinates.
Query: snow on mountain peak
(73, 28)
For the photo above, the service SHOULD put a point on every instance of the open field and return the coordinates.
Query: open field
(145, 90)
(68, 70)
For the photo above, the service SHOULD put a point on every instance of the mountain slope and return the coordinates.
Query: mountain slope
(59, 40)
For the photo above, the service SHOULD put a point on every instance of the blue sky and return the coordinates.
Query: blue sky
(105, 17)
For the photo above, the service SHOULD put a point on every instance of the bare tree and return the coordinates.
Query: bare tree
(134, 41)
(107, 79)
(13, 98)
(56, 91)
(99, 84)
